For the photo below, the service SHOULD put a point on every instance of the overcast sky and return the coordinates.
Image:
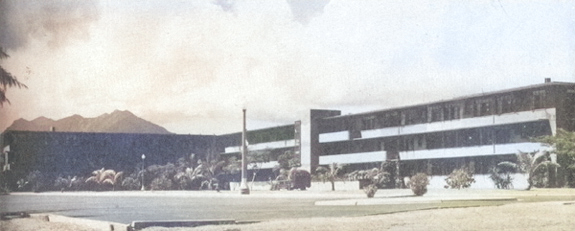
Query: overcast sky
(191, 66)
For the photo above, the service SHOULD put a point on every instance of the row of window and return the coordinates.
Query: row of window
(484, 106)
(513, 133)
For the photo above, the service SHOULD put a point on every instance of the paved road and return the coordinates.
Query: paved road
(126, 207)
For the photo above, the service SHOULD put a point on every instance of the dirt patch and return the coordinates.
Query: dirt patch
(517, 216)
(40, 224)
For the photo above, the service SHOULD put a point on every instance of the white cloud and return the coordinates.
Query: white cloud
(192, 66)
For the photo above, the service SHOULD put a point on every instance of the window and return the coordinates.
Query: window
(368, 123)
(436, 114)
(506, 104)
(451, 112)
(539, 99)
(434, 140)
(469, 109)
(484, 107)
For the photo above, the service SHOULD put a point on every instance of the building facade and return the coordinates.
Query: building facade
(477, 131)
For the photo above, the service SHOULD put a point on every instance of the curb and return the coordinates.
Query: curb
(393, 201)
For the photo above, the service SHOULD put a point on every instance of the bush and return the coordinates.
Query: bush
(130, 183)
(370, 190)
(418, 184)
(501, 178)
(460, 178)
(161, 183)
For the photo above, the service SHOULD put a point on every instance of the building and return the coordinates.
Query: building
(477, 131)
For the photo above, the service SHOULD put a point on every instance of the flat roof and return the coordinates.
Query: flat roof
(460, 98)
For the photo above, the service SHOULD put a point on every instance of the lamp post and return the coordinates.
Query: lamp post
(244, 183)
(143, 170)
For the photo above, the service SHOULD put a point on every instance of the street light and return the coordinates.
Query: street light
(143, 170)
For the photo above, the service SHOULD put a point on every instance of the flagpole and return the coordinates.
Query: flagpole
(244, 184)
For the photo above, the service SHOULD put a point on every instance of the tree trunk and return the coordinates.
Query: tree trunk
(332, 185)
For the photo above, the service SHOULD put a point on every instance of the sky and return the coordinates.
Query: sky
(192, 66)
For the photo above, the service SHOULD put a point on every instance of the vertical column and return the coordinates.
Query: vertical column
(244, 183)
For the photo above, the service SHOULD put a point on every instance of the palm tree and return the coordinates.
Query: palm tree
(103, 177)
(331, 173)
(7, 80)
(530, 163)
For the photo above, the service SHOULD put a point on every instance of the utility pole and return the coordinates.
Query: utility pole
(244, 184)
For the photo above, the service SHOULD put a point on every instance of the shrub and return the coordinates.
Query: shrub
(460, 178)
(418, 184)
(130, 183)
(501, 178)
(161, 183)
(370, 190)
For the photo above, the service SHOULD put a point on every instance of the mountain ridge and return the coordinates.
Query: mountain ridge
(115, 122)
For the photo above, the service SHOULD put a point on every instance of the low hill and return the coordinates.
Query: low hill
(115, 122)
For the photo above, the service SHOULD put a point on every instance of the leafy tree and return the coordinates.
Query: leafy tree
(563, 144)
(330, 173)
(256, 159)
(288, 160)
(531, 164)
(7, 80)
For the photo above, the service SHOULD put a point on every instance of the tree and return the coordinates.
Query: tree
(105, 177)
(7, 80)
(563, 144)
(330, 173)
(288, 160)
(256, 159)
(531, 163)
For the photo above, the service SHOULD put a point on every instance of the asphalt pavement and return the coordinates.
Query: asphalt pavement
(127, 206)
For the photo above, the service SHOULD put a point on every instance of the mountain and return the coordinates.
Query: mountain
(115, 122)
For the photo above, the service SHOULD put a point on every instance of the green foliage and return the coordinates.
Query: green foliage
(7, 80)
(34, 181)
(161, 183)
(418, 184)
(501, 177)
(372, 177)
(131, 183)
(104, 178)
(534, 164)
(288, 160)
(370, 190)
(330, 173)
(460, 178)
(563, 144)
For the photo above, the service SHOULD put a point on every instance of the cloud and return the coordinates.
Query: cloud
(55, 21)
(192, 66)
(304, 10)
(226, 5)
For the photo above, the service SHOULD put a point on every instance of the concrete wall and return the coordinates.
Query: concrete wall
(339, 186)
(315, 186)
